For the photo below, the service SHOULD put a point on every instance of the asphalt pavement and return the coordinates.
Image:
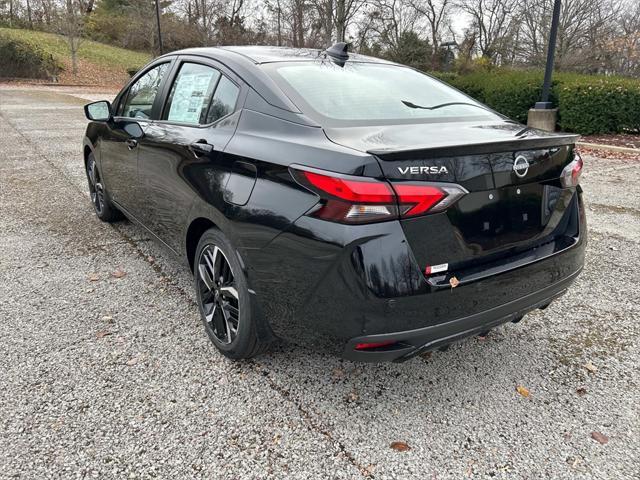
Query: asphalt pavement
(105, 370)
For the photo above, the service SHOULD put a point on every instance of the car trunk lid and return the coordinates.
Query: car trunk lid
(514, 202)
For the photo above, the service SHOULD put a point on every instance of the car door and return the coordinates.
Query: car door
(184, 148)
(119, 147)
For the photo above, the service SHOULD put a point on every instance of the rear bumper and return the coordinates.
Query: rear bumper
(361, 284)
(413, 342)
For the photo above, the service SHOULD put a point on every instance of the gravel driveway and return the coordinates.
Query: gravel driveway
(105, 370)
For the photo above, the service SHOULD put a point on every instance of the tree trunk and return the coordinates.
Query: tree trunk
(279, 20)
(328, 23)
(340, 20)
(435, 57)
(29, 18)
(204, 16)
(46, 8)
(73, 45)
(300, 23)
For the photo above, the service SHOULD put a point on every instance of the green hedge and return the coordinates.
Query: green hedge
(591, 105)
(587, 104)
(23, 59)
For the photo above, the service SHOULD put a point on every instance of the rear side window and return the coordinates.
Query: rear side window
(224, 100)
(191, 93)
(143, 93)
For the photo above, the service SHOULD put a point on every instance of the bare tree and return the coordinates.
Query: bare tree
(390, 19)
(70, 23)
(436, 13)
(493, 24)
(325, 12)
(585, 29)
(345, 12)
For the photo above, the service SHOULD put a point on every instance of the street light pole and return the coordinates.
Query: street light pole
(158, 23)
(544, 102)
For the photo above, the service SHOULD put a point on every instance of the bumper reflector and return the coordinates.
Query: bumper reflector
(367, 346)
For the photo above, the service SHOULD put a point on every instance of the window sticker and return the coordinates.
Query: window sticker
(191, 96)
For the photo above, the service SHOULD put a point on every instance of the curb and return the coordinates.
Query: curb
(612, 148)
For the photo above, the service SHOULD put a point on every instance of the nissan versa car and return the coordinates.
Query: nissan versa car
(339, 201)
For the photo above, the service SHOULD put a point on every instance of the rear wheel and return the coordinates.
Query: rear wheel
(223, 298)
(105, 210)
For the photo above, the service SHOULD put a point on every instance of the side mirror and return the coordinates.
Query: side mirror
(98, 111)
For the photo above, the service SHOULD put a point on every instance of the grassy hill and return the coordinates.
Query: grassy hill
(98, 64)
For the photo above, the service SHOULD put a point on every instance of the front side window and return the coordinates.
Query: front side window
(369, 93)
(142, 93)
(191, 93)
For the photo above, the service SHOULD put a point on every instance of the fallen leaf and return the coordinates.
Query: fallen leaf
(353, 396)
(400, 446)
(581, 391)
(132, 361)
(368, 471)
(119, 273)
(426, 355)
(94, 277)
(150, 259)
(599, 437)
(454, 282)
(90, 290)
(524, 391)
(338, 373)
(107, 318)
(573, 461)
(102, 334)
(591, 367)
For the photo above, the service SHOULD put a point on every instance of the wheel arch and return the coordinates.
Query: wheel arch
(195, 230)
(87, 149)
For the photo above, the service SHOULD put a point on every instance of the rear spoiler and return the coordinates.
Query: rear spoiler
(516, 144)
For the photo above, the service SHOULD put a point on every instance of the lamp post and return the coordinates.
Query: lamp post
(450, 56)
(158, 24)
(543, 115)
(551, 50)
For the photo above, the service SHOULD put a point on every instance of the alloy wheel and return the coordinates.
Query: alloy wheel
(95, 187)
(218, 294)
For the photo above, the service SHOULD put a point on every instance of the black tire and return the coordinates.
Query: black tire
(216, 264)
(104, 208)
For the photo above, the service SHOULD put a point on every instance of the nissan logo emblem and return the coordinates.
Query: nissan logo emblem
(521, 166)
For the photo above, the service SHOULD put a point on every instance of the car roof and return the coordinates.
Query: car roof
(267, 54)
(244, 61)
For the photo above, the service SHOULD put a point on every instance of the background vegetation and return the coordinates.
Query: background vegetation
(41, 55)
(587, 104)
(494, 50)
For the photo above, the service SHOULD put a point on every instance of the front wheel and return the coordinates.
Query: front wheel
(223, 298)
(105, 210)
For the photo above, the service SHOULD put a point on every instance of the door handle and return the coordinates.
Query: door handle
(131, 143)
(201, 147)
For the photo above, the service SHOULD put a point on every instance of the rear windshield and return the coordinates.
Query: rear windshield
(369, 93)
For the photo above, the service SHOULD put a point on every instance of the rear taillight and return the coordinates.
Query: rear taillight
(570, 176)
(349, 199)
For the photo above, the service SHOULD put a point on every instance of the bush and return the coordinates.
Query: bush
(591, 105)
(24, 59)
(511, 93)
(587, 104)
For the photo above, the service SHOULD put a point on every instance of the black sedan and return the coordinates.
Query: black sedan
(337, 200)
